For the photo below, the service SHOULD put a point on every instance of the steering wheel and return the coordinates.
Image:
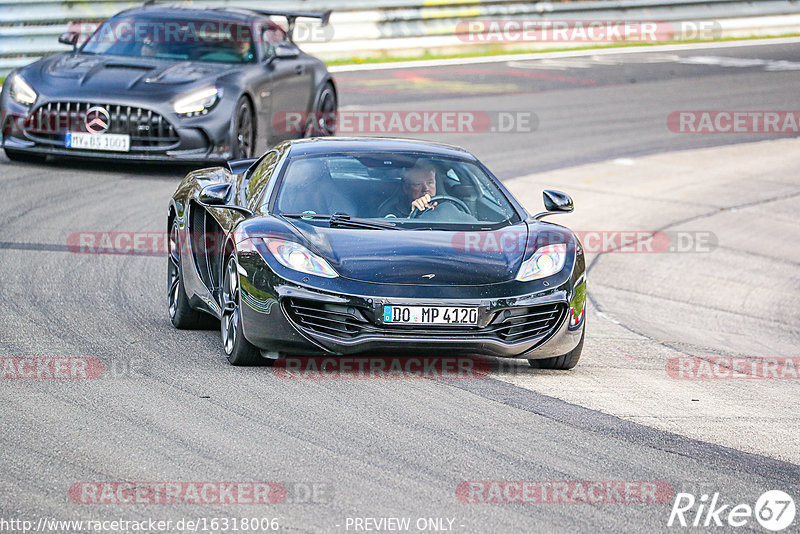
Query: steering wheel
(443, 198)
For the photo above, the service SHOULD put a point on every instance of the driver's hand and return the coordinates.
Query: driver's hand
(423, 203)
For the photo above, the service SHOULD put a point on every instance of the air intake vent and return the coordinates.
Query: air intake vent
(519, 324)
(329, 319)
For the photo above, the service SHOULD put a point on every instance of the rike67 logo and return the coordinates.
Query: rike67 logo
(774, 510)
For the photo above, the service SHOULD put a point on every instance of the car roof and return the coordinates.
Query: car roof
(323, 145)
(193, 13)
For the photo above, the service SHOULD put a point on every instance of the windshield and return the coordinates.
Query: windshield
(408, 190)
(194, 40)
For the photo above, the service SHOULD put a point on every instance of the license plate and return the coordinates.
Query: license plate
(430, 315)
(108, 142)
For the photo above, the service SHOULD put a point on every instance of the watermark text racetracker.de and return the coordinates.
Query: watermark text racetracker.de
(199, 493)
(53, 368)
(25, 368)
(408, 122)
(344, 122)
(477, 242)
(564, 491)
(734, 122)
(593, 241)
(733, 368)
(136, 243)
(180, 32)
(584, 31)
(382, 368)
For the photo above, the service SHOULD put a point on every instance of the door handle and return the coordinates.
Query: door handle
(298, 69)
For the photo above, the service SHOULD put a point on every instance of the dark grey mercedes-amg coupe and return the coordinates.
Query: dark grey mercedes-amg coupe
(170, 84)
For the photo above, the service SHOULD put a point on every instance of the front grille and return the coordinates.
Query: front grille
(512, 325)
(149, 131)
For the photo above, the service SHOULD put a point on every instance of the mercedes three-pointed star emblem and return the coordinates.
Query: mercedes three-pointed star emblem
(97, 120)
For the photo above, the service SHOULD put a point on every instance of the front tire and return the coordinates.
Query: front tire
(564, 362)
(239, 351)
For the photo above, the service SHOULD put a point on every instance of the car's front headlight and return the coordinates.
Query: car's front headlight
(299, 258)
(198, 102)
(21, 91)
(546, 261)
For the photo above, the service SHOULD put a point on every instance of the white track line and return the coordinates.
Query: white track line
(565, 53)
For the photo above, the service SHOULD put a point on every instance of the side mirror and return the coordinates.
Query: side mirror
(285, 51)
(69, 38)
(216, 196)
(555, 202)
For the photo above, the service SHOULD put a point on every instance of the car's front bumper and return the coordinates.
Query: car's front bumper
(352, 323)
(157, 133)
(172, 156)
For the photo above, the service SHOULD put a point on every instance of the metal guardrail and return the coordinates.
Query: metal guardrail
(29, 28)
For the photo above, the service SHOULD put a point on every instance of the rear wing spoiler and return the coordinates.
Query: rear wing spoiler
(292, 16)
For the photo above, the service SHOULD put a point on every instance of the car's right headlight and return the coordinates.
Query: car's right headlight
(546, 261)
(198, 102)
(22, 92)
(297, 257)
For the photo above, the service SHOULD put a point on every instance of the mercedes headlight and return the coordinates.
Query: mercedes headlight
(21, 91)
(198, 102)
(546, 261)
(299, 258)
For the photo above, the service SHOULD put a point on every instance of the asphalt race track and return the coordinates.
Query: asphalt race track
(169, 408)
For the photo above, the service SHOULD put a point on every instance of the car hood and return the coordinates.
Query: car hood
(116, 73)
(411, 257)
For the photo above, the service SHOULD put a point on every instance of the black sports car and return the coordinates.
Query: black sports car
(324, 246)
(170, 84)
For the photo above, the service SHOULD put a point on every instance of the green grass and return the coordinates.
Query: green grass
(494, 50)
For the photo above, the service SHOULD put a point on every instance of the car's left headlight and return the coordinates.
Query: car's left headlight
(297, 257)
(21, 91)
(546, 261)
(198, 102)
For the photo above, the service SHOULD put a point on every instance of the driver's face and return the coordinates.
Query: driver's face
(242, 46)
(420, 183)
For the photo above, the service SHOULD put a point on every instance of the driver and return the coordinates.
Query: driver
(243, 44)
(418, 187)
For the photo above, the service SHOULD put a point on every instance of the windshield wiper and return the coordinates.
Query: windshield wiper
(304, 216)
(343, 220)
